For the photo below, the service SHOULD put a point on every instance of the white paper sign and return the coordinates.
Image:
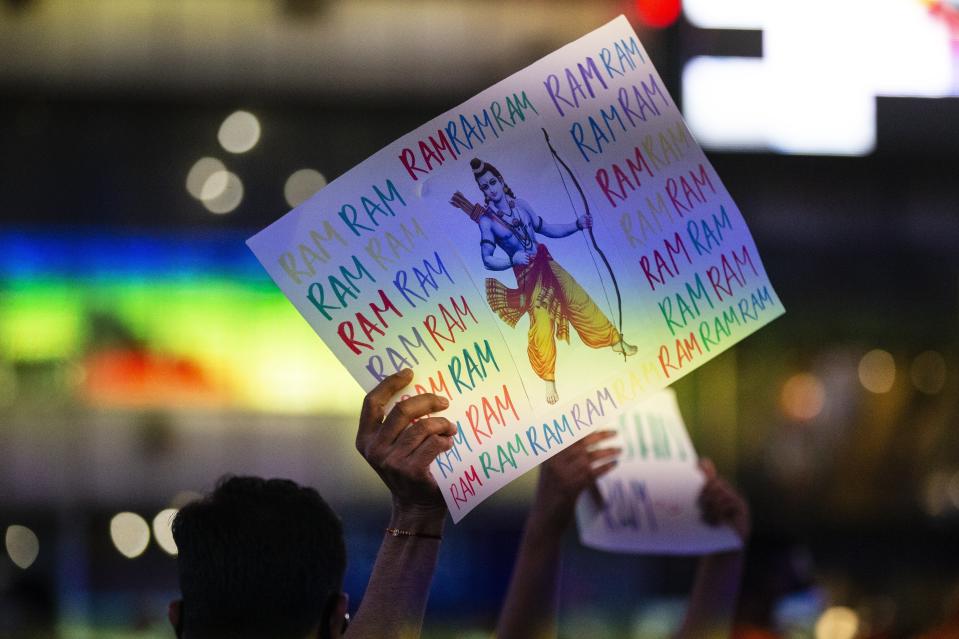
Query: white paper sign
(651, 495)
(543, 294)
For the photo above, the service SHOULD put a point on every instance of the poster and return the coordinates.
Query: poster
(541, 255)
(650, 497)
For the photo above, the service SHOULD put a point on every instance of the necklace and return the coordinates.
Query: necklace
(516, 226)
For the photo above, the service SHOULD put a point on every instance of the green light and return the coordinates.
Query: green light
(41, 320)
(247, 339)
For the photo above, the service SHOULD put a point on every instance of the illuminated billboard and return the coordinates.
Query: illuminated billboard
(813, 89)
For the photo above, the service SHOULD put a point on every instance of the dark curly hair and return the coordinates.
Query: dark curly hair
(258, 558)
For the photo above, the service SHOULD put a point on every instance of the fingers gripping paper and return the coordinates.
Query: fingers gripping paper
(550, 249)
(650, 498)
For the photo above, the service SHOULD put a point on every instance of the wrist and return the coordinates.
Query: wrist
(552, 519)
(428, 519)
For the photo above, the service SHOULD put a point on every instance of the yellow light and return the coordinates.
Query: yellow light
(877, 371)
(200, 172)
(837, 622)
(163, 530)
(229, 198)
(239, 132)
(42, 321)
(290, 379)
(130, 534)
(301, 186)
(803, 397)
(953, 490)
(928, 372)
(22, 546)
(936, 495)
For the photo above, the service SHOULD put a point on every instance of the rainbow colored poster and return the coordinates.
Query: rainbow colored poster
(542, 255)
(650, 499)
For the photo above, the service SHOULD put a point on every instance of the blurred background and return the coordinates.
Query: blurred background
(144, 352)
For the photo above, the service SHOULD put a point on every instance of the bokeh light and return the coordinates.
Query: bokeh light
(928, 372)
(935, 493)
(837, 622)
(229, 198)
(658, 13)
(22, 545)
(953, 490)
(301, 186)
(200, 173)
(239, 132)
(215, 185)
(163, 530)
(803, 397)
(130, 534)
(877, 371)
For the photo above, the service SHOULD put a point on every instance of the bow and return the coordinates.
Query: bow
(592, 238)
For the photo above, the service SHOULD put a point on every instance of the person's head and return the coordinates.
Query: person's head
(490, 181)
(259, 558)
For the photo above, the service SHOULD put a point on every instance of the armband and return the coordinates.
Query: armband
(491, 243)
(539, 227)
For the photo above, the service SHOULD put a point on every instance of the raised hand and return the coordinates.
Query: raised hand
(566, 474)
(721, 504)
(401, 446)
(530, 607)
(713, 600)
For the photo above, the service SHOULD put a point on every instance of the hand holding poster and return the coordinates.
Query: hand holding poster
(472, 249)
(651, 496)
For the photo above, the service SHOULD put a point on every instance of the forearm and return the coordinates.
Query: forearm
(497, 262)
(713, 600)
(559, 230)
(396, 597)
(530, 609)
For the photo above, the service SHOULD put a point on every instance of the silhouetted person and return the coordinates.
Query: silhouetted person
(265, 558)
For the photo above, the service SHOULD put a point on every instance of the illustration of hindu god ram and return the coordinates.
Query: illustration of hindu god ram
(545, 291)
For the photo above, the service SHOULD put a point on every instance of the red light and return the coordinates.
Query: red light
(139, 378)
(658, 13)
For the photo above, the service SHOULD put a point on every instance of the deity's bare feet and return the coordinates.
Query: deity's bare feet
(551, 395)
(623, 347)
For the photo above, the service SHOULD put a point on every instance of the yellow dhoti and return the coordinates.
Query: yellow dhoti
(553, 300)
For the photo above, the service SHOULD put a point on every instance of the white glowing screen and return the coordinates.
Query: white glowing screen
(814, 89)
